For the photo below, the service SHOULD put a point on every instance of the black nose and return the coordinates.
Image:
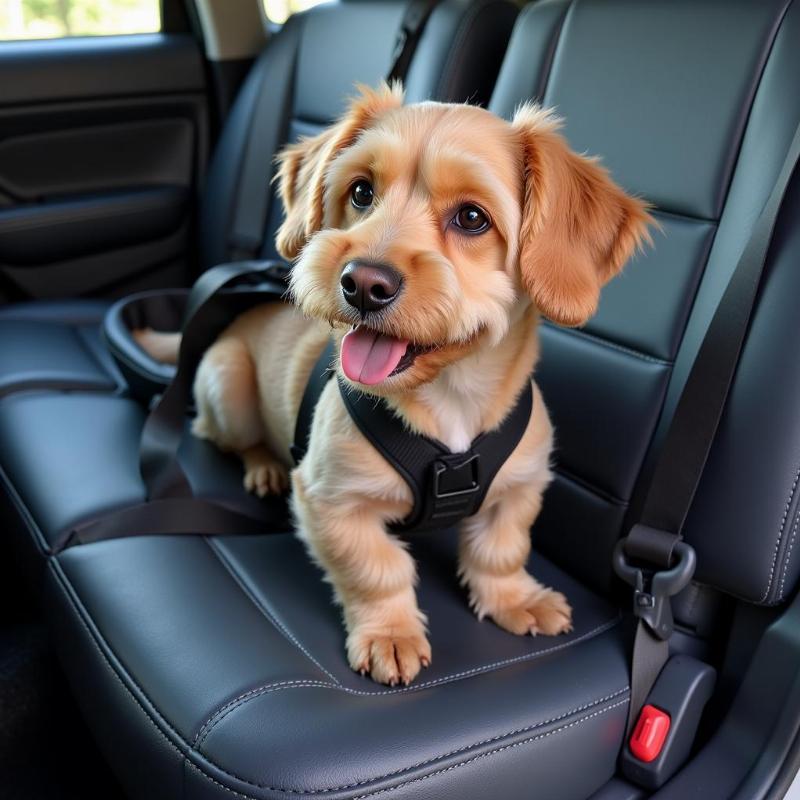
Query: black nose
(369, 287)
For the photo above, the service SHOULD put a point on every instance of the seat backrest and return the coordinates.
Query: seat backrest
(692, 105)
(317, 57)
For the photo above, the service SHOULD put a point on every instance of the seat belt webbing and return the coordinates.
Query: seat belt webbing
(656, 540)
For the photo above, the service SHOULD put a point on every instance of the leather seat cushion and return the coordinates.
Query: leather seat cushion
(55, 345)
(223, 665)
(70, 458)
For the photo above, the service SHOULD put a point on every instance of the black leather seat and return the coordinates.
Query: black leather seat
(55, 344)
(214, 668)
(321, 54)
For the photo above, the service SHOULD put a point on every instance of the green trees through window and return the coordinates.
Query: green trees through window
(48, 19)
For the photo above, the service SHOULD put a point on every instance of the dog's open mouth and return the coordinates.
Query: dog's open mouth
(369, 356)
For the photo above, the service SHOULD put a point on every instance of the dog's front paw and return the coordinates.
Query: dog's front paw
(543, 611)
(394, 657)
(264, 474)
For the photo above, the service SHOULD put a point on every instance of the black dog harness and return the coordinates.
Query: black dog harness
(446, 487)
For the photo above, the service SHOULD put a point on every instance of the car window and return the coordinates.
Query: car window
(52, 19)
(278, 11)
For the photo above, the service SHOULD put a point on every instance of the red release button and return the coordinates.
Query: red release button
(649, 734)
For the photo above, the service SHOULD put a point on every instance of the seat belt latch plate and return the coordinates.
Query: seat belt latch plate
(654, 588)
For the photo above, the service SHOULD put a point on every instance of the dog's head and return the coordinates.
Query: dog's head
(419, 229)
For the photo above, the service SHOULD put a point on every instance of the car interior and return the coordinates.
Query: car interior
(171, 665)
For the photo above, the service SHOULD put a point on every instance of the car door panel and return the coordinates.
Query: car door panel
(102, 145)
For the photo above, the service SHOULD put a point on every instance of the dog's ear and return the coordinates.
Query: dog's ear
(302, 167)
(578, 227)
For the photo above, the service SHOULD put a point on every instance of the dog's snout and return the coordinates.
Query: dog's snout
(369, 287)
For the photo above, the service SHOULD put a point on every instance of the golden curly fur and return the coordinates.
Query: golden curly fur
(559, 229)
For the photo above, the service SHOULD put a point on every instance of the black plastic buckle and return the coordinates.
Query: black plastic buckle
(455, 485)
(653, 588)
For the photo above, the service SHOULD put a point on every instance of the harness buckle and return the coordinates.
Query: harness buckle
(652, 589)
(455, 485)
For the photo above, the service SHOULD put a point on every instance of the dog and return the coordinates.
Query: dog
(427, 240)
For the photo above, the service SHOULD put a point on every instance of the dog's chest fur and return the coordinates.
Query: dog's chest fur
(458, 398)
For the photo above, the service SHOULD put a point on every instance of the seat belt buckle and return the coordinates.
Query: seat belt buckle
(650, 733)
(652, 589)
(455, 485)
(662, 738)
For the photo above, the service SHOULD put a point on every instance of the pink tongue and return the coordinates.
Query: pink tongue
(369, 357)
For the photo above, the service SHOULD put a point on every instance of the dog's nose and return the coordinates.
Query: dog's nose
(369, 287)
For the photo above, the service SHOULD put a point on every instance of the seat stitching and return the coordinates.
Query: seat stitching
(27, 518)
(79, 609)
(62, 581)
(496, 751)
(608, 343)
(440, 757)
(234, 573)
(212, 721)
(788, 555)
(781, 532)
(452, 767)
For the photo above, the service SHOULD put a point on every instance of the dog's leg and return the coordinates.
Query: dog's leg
(160, 346)
(373, 577)
(228, 414)
(493, 550)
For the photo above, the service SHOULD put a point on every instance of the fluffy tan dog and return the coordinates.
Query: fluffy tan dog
(428, 239)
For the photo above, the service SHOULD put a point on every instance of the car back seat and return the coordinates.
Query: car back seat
(215, 667)
(321, 54)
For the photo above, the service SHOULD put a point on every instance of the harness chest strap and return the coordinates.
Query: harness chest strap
(446, 487)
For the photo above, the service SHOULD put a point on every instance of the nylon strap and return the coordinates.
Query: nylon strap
(410, 32)
(205, 319)
(321, 373)
(694, 425)
(446, 487)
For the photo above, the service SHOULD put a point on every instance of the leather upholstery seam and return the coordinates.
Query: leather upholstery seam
(788, 554)
(465, 762)
(662, 362)
(781, 532)
(459, 751)
(277, 624)
(497, 750)
(81, 613)
(25, 514)
(217, 716)
(96, 636)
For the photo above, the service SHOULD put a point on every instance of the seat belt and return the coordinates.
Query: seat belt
(171, 507)
(652, 557)
(258, 166)
(412, 26)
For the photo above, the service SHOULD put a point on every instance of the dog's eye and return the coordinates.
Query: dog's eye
(471, 219)
(361, 194)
